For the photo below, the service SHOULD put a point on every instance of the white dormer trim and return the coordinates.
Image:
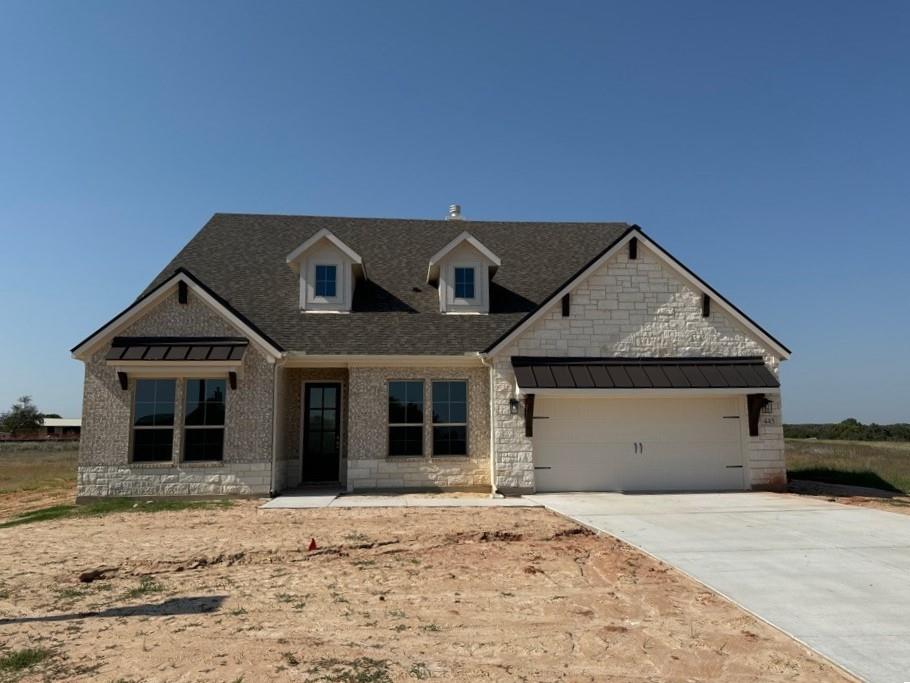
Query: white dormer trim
(325, 249)
(465, 251)
(433, 270)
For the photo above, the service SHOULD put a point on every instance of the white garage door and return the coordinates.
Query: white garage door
(638, 444)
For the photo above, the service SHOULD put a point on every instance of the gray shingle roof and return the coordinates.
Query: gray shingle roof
(242, 258)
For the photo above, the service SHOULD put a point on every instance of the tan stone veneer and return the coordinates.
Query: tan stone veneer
(630, 307)
(104, 450)
(370, 466)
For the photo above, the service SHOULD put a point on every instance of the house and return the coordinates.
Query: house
(61, 427)
(280, 351)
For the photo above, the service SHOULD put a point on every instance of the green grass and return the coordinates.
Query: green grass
(147, 585)
(109, 506)
(32, 467)
(877, 464)
(20, 660)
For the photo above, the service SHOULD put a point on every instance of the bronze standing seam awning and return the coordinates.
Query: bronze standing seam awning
(747, 372)
(171, 349)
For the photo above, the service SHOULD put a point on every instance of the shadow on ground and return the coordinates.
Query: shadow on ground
(168, 608)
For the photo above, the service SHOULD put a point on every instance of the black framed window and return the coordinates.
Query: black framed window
(450, 418)
(326, 281)
(406, 418)
(464, 283)
(203, 432)
(153, 420)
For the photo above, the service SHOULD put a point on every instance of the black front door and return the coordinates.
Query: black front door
(321, 432)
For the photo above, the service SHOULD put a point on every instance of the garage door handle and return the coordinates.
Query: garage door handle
(734, 467)
(542, 468)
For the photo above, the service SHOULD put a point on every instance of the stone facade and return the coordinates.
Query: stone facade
(105, 468)
(370, 466)
(628, 307)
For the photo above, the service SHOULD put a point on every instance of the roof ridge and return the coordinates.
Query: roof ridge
(463, 222)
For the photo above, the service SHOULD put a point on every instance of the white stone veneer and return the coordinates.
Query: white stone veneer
(630, 307)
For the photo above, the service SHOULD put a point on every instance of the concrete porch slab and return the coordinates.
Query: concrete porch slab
(299, 500)
(416, 500)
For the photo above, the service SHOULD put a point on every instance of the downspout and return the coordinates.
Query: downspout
(273, 486)
(485, 360)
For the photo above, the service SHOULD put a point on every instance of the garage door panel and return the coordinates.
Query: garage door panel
(590, 444)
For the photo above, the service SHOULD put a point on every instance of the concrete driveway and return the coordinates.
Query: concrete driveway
(835, 577)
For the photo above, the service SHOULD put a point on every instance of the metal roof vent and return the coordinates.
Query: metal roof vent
(454, 213)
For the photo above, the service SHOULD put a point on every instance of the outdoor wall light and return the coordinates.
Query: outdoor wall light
(513, 406)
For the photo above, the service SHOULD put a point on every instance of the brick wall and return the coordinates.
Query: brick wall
(104, 450)
(370, 466)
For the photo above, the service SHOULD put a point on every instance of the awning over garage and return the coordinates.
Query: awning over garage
(171, 349)
(748, 373)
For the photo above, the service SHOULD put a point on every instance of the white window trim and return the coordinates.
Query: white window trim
(339, 283)
(480, 304)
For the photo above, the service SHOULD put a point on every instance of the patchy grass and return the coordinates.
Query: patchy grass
(360, 670)
(147, 586)
(879, 464)
(112, 505)
(32, 467)
(20, 660)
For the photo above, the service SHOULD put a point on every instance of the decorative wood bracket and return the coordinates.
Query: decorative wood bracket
(124, 381)
(633, 248)
(232, 380)
(705, 306)
(182, 292)
(755, 403)
(566, 305)
(529, 415)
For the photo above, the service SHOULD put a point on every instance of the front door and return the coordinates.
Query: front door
(321, 432)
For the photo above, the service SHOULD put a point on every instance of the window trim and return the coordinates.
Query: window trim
(421, 424)
(325, 297)
(463, 299)
(133, 427)
(186, 427)
(434, 424)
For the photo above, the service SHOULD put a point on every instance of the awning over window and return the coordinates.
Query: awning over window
(642, 373)
(171, 349)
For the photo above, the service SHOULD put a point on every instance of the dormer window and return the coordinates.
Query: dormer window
(326, 281)
(462, 271)
(464, 282)
(329, 270)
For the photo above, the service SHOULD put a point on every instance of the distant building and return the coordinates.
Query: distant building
(61, 427)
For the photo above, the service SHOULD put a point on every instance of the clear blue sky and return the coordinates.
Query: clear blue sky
(764, 144)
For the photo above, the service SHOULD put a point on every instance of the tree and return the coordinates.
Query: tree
(24, 416)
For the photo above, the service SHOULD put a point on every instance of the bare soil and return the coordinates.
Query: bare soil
(392, 594)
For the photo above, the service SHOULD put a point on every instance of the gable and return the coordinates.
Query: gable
(160, 313)
(642, 307)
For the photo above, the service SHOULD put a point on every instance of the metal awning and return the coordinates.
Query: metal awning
(177, 349)
(642, 373)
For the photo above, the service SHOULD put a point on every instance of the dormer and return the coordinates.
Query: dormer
(462, 271)
(329, 270)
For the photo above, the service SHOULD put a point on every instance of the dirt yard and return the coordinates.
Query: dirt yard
(388, 595)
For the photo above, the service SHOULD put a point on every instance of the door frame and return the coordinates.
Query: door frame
(342, 417)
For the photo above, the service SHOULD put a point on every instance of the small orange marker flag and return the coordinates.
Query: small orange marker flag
(312, 544)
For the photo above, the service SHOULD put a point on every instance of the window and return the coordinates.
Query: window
(450, 418)
(406, 418)
(326, 281)
(464, 283)
(204, 422)
(153, 420)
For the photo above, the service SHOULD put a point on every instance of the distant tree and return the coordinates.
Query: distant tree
(850, 429)
(23, 417)
(52, 415)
